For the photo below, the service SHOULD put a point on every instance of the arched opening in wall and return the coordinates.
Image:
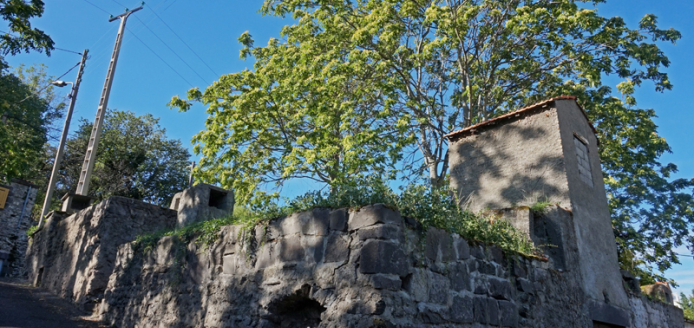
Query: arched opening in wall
(296, 310)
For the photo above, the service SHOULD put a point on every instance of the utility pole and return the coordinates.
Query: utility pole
(90, 155)
(61, 146)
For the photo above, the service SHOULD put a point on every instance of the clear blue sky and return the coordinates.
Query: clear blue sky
(144, 83)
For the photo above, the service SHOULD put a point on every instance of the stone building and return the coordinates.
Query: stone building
(16, 202)
(546, 152)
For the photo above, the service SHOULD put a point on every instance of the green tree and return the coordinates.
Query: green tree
(687, 304)
(424, 68)
(17, 14)
(28, 108)
(135, 159)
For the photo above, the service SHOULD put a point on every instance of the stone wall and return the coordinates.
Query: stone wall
(73, 256)
(13, 227)
(347, 268)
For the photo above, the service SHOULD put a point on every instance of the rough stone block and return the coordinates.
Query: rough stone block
(291, 249)
(461, 309)
(518, 269)
(480, 309)
(373, 214)
(417, 285)
(315, 247)
(383, 257)
(336, 249)
(317, 222)
(385, 281)
(459, 277)
(492, 312)
(266, 256)
(439, 245)
(478, 252)
(500, 289)
(497, 255)
(288, 225)
(438, 289)
(338, 219)
(462, 248)
(381, 231)
(508, 314)
(431, 314)
(229, 264)
(525, 286)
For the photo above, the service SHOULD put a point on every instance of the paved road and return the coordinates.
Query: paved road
(27, 307)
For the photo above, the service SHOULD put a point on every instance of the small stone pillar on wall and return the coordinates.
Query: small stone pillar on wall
(15, 218)
(202, 202)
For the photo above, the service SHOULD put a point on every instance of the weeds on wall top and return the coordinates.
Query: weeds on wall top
(432, 207)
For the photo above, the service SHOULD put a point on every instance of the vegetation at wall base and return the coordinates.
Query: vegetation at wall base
(435, 207)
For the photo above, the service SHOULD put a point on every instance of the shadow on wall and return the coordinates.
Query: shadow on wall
(74, 256)
(516, 164)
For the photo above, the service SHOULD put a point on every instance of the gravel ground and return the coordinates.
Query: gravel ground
(24, 306)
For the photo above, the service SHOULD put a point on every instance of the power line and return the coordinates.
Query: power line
(97, 7)
(48, 85)
(184, 42)
(169, 6)
(162, 59)
(74, 52)
(179, 57)
(54, 48)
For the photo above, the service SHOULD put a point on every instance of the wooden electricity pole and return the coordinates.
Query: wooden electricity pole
(90, 155)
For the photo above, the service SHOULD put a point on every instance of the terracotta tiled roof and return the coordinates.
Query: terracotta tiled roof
(512, 116)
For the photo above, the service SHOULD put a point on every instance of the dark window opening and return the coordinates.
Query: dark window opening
(79, 204)
(296, 310)
(217, 199)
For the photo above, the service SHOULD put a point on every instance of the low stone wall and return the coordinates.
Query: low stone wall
(647, 314)
(338, 268)
(73, 256)
(13, 226)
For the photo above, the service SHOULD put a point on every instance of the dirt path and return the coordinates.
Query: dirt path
(24, 306)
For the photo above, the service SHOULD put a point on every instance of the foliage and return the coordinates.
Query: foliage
(687, 304)
(135, 159)
(540, 206)
(17, 14)
(30, 232)
(405, 73)
(28, 107)
(432, 208)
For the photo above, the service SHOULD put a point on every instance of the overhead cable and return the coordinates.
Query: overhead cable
(162, 59)
(48, 85)
(97, 7)
(174, 52)
(186, 44)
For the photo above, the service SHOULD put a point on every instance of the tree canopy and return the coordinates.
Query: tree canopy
(17, 14)
(372, 86)
(135, 159)
(28, 108)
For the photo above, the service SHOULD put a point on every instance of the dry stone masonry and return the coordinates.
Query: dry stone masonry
(15, 219)
(73, 256)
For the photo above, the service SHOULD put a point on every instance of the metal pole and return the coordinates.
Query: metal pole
(61, 146)
(90, 155)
